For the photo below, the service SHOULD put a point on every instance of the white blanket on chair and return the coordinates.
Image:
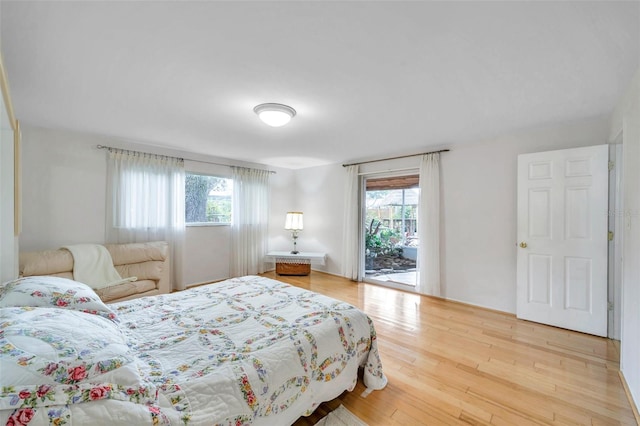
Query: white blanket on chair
(92, 265)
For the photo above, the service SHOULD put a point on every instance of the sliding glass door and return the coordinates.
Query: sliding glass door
(390, 230)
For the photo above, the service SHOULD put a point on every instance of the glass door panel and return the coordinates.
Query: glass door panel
(390, 236)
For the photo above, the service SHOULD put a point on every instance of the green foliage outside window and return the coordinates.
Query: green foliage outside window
(381, 240)
(207, 199)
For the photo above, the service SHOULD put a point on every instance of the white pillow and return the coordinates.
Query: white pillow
(53, 292)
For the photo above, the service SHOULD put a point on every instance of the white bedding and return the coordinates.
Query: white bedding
(248, 350)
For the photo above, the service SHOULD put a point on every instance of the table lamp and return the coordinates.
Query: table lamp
(293, 223)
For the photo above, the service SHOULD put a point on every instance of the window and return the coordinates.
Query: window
(207, 199)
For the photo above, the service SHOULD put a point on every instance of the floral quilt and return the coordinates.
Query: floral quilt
(248, 350)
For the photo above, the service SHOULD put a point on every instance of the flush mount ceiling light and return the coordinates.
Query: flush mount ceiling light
(275, 115)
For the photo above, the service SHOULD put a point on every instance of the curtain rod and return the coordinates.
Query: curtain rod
(394, 158)
(109, 148)
(380, 172)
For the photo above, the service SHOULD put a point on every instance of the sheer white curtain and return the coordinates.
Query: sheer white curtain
(429, 225)
(249, 228)
(145, 202)
(351, 234)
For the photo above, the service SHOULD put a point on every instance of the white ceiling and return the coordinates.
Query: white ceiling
(368, 79)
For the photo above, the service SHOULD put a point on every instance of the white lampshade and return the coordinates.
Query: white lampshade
(275, 115)
(293, 221)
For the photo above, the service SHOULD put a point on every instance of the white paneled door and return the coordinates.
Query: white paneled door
(562, 238)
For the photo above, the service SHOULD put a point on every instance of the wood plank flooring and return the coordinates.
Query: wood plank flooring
(449, 363)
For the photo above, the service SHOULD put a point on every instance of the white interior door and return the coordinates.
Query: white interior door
(562, 238)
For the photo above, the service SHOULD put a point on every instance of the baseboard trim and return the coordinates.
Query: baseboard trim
(634, 407)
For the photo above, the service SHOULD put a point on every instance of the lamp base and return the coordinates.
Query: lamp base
(294, 252)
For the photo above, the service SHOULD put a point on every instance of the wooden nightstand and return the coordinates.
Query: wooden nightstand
(295, 264)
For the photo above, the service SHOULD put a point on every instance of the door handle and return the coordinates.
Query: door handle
(523, 245)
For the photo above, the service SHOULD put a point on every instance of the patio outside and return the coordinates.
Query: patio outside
(391, 241)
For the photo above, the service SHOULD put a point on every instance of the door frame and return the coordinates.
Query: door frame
(616, 224)
(362, 276)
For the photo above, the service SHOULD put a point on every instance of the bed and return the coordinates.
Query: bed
(249, 350)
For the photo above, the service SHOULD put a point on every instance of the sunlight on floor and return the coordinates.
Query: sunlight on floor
(400, 308)
(406, 278)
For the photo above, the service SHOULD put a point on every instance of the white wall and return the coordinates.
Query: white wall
(626, 118)
(478, 260)
(64, 203)
(320, 195)
(64, 198)
(63, 189)
(479, 212)
(8, 241)
(283, 200)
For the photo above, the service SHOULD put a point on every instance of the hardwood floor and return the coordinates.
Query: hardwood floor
(449, 363)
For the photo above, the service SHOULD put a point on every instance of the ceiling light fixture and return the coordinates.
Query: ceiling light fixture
(275, 115)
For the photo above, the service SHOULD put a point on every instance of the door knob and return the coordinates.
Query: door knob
(523, 245)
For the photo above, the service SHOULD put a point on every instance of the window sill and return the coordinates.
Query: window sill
(197, 224)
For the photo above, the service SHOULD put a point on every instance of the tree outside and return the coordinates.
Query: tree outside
(207, 199)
